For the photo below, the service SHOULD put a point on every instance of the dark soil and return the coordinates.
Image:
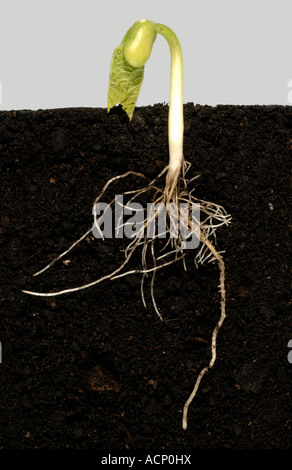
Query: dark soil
(95, 369)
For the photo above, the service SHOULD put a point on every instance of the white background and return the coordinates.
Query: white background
(56, 53)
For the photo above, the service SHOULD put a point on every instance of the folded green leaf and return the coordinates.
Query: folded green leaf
(124, 83)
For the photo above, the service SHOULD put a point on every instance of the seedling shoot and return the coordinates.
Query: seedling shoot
(127, 70)
(126, 77)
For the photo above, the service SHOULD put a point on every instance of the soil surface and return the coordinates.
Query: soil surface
(95, 369)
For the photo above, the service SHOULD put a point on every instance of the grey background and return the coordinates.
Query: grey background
(57, 53)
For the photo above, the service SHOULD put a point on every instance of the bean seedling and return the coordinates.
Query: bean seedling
(126, 76)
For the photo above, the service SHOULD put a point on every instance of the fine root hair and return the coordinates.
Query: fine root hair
(176, 196)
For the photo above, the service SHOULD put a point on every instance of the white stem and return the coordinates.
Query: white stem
(175, 118)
